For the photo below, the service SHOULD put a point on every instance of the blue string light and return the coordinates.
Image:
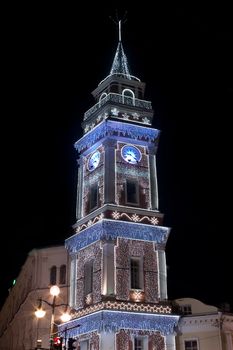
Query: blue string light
(111, 128)
(109, 230)
(113, 321)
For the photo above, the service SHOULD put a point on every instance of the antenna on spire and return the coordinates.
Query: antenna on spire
(118, 22)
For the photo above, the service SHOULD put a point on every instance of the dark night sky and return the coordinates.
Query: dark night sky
(53, 57)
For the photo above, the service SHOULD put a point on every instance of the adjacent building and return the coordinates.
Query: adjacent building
(19, 328)
(203, 327)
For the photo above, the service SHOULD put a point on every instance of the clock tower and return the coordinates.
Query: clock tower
(118, 287)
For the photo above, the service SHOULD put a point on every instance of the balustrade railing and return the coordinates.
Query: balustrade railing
(121, 99)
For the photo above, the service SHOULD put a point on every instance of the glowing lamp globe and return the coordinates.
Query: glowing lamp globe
(40, 313)
(65, 317)
(55, 291)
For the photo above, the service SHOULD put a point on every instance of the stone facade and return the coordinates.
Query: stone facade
(19, 327)
(203, 326)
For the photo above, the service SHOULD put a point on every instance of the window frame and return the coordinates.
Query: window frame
(53, 275)
(144, 340)
(191, 340)
(62, 274)
(136, 183)
(88, 281)
(186, 309)
(83, 342)
(140, 284)
(95, 187)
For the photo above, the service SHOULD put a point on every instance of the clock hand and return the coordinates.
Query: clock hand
(133, 156)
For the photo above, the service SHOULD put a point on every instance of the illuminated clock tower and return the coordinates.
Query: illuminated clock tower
(118, 285)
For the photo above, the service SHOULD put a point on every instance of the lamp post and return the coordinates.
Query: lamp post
(54, 291)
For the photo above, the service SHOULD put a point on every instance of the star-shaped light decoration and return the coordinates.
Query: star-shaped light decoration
(125, 116)
(135, 116)
(146, 120)
(114, 111)
(86, 128)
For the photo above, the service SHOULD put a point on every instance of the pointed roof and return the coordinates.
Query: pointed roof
(120, 64)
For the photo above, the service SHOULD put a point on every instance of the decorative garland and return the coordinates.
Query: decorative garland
(109, 230)
(119, 129)
(113, 321)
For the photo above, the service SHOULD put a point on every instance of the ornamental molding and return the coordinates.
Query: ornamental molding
(90, 223)
(123, 306)
(118, 129)
(118, 215)
(113, 321)
(201, 323)
(110, 230)
(135, 217)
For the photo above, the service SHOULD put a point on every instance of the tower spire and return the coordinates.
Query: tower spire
(120, 63)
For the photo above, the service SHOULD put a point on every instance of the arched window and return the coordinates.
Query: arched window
(62, 274)
(128, 93)
(53, 275)
(102, 96)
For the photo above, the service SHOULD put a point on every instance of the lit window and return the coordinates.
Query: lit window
(88, 277)
(93, 196)
(190, 345)
(136, 273)
(132, 196)
(62, 274)
(53, 275)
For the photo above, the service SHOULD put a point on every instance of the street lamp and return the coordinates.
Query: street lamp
(54, 291)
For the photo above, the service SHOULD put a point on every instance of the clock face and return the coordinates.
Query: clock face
(131, 154)
(93, 161)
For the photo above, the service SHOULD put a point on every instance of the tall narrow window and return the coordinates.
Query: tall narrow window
(139, 343)
(62, 279)
(136, 273)
(84, 345)
(190, 345)
(132, 195)
(53, 275)
(93, 196)
(88, 277)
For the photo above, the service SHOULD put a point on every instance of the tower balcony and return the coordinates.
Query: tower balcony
(118, 99)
